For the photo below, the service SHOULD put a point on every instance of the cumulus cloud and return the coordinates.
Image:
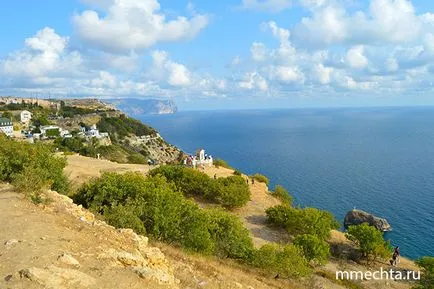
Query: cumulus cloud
(386, 21)
(45, 53)
(174, 73)
(127, 25)
(254, 81)
(356, 58)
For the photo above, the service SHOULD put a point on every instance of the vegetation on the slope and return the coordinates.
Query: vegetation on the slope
(282, 194)
(427, 279)
(298, 221)
(31, 167)
(261, 178)
(71, 111)
(314, 249)
(230, 192)
(286, 261)
(165, 213)
(221, 163)
(370, 241)
(18, 106)
(155, 206)
(123, 126)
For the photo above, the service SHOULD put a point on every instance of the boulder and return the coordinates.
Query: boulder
(358, 217)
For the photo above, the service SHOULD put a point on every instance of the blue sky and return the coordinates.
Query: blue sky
(221, 54)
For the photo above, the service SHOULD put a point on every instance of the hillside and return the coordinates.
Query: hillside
(254, 218)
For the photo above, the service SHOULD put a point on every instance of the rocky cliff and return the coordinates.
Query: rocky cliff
(357, 217)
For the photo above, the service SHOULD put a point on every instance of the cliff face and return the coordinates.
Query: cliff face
(137, 107)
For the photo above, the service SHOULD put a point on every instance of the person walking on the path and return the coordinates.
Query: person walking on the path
(395, 256)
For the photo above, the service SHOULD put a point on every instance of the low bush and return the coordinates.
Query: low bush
(299, 221)
(231, 238)
(314, 249)
(427, 278)
(32, 167)
(261, 178)
(237, 173)
(231, 192)
(165, 213)
(282, 261)
(282, 194)
(221, 163)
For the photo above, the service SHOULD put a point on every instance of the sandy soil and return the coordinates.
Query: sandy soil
(36, 236)
(81, 169)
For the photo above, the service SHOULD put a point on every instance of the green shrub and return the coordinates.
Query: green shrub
(284, 261)
(124, 217)
(314, 249)
(231, 192)
(299, 221)
(261, 178)
(427, 278)
(221, 163)
(231, 238)
(237, 173)
(121, 127)
(32, 167)
(282, 194)
(136, 158)
(370, 241)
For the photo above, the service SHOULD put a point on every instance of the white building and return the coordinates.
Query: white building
(26, 116)
(201, 159)
(6, 126)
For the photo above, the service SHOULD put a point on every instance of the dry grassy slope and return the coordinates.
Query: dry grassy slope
(200, 272)
(60, 245)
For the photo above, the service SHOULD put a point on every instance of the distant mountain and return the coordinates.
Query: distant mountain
(137, 107)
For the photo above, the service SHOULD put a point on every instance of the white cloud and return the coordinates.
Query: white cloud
(356, 58)
(258, 51)
(266, 5)
(253, 81)
(323, 74)
(176, 74)
(386, 21)
(44, 54)
(133, 25)
(288, 74)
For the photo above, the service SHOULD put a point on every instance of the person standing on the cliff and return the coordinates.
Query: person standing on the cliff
(395, 256)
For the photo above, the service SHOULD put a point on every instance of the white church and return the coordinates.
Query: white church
(201, 159)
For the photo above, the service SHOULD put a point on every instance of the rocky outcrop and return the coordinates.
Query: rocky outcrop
(358, 217)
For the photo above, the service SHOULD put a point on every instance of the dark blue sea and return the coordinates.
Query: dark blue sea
(376, 159)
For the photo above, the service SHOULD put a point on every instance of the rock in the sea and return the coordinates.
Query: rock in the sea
(358, 217)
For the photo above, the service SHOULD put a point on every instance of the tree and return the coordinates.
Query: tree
(314, 249)
(370, 241)
(7, 114)
(427, 279)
